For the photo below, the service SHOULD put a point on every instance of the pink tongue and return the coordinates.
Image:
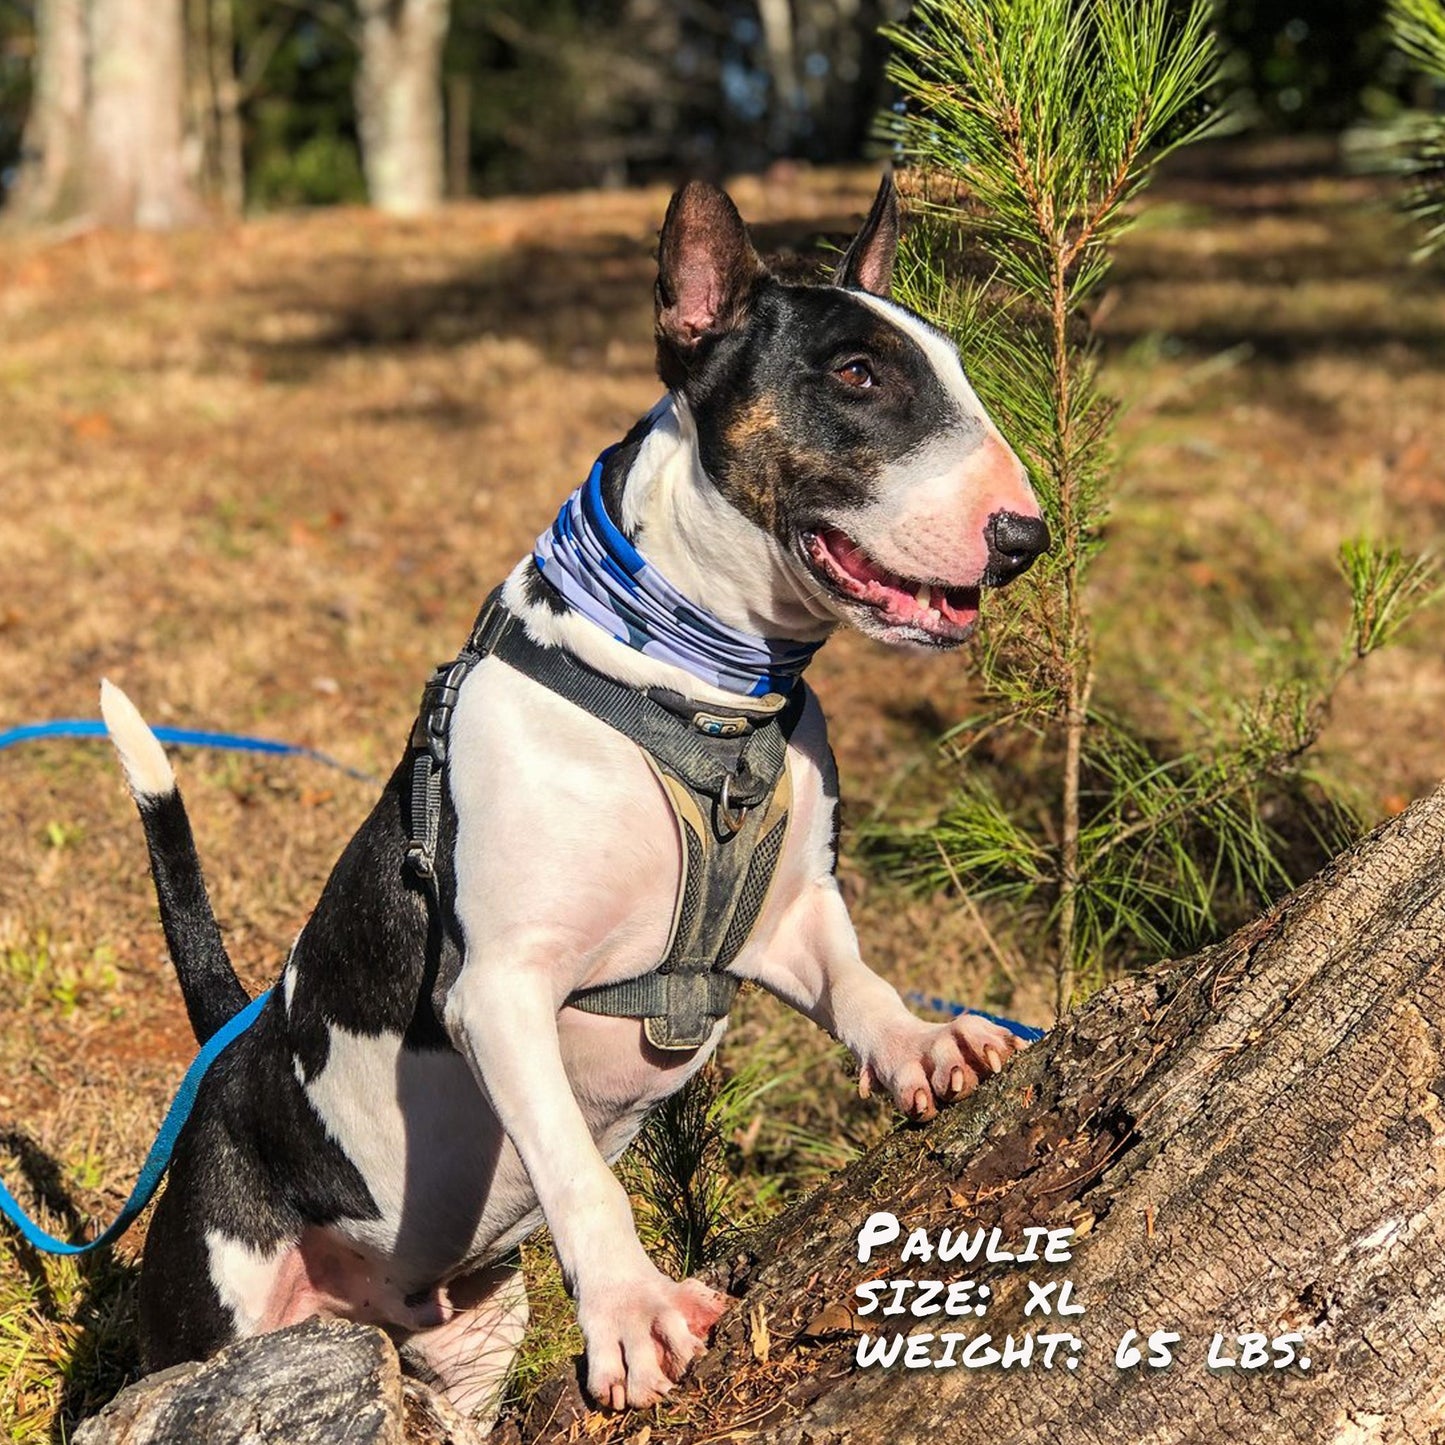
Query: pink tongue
(877, 585)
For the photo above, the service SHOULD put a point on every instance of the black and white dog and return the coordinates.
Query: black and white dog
(418, 1095)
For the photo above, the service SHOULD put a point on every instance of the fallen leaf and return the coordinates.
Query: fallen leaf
(836, 1319)
(92, 426)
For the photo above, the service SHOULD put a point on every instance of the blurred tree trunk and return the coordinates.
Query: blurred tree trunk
(105, 139)
(399, 103)
(1248, 1141)
(776, 18)
(213, 119)
(50, 183)
(135, 164)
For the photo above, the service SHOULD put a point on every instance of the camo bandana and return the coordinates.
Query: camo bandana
(600, 574)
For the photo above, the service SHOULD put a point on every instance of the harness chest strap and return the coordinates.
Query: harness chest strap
(724, 777)
(725, 881)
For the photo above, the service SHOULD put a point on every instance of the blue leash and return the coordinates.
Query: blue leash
(1027, 1032)
(159, 1157)
(160, 1152)
(183, 737)
(153, 1171)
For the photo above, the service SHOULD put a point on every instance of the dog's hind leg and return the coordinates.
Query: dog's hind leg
(183, 1315)
(468, 1356)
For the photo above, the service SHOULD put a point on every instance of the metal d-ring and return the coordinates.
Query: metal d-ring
(730, 821)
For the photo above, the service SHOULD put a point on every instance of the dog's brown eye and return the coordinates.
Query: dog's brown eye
(855, 373)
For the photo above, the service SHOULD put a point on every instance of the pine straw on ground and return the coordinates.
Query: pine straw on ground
(262, 475)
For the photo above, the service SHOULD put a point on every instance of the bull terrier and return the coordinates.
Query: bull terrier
(467, 1031)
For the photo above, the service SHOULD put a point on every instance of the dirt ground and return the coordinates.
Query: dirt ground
(262, 475)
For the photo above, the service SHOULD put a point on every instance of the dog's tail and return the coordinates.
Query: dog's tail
(212, 992)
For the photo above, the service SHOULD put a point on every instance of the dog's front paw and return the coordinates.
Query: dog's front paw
(928, 1065)
(642, 1334)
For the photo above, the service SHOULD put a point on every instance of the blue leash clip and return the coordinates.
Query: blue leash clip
(153, 1170)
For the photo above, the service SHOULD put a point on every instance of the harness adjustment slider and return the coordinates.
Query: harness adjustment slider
(714, 725)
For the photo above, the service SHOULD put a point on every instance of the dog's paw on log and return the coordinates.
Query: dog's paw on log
(642, 1334)
(312, 1384)
(923, 1067)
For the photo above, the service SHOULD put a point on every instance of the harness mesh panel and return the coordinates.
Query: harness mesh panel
(750, 899)
(687, 918)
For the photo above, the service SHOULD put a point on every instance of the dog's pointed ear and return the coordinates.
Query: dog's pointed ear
(867, 264)
(706, 270)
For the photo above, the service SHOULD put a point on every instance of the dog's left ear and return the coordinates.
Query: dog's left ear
(706, 271)
(867, 265)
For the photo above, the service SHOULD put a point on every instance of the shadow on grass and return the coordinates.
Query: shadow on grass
(75, 1321)
(570, 298)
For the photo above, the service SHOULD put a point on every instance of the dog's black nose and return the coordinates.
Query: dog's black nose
(1013, 544)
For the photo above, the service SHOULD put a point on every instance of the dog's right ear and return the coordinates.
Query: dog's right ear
(867, 265)
(706, 271)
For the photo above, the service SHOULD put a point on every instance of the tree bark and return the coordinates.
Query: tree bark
(318, 1383)
(398, 103)
(1248, 1140)
(105, 138)
(135, 167)
(51, 178)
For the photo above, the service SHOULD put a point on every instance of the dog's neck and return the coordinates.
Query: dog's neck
(710, 553)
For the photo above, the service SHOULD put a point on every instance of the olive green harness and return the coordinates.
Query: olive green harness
(724, 775)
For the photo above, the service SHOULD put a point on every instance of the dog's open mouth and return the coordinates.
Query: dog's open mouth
(944, 615)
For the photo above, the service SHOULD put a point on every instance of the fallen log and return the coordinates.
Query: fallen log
(1245, 1143)
(318, 1383)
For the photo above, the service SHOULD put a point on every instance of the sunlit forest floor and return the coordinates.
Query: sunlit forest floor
(262, 475)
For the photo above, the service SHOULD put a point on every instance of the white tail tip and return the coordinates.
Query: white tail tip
(147, 769)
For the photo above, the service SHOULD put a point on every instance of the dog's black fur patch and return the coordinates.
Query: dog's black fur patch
(255, 1162)
(787, 442)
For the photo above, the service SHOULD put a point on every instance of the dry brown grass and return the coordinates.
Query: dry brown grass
(262, 475)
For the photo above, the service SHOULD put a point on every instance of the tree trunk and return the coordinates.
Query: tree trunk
(135, 168)
(776, 17)
(53, 149)
(213, 119)
(1249, 1141)
(105, 138)
(398, 103)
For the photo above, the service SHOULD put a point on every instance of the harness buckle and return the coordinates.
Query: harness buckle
(439, 701)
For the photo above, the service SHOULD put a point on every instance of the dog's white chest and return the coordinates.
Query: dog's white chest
(566, 850)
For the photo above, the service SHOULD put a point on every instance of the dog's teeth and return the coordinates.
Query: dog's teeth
(924, 594)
